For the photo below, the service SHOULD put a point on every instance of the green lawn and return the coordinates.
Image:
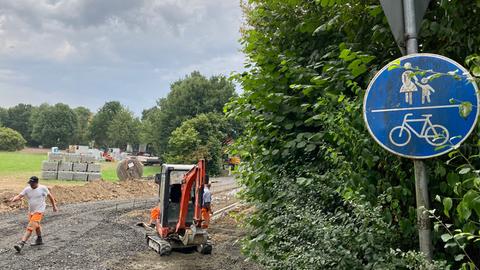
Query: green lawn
(14, 163)
(17, 165)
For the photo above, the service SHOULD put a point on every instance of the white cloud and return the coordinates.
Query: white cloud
(108, 49)
(64, 51)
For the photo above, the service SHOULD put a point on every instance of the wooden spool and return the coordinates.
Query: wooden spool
(129, 169)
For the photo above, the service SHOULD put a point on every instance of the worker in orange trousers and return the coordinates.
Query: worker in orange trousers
(206, 206)
(36, 195)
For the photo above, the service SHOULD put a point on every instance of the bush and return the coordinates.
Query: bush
(11, 140)
(325, 195)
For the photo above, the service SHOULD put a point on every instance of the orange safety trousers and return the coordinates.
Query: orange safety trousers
(206, 211)
(154, 214)
(34, 220)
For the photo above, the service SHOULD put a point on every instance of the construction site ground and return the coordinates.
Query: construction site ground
(101, 234)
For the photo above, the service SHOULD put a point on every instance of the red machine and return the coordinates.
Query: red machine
(180, 201)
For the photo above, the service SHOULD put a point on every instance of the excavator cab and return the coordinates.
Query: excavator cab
(180, 200)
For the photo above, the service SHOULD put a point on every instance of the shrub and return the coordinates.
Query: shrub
(11, 140)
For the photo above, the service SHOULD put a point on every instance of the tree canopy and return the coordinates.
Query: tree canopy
(123, 129)
(54, 125)
(201, 137)
(101, 121)
(3, 116)
(84, 117)
(193, 95)
(18, 119)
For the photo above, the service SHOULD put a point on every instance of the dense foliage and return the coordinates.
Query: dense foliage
(18, 118)
(54, 125)
(325, 195)
(84, 117)
(113, 125)
(3, 116)
(193, 95)
(101, 121)
(123, 129)
(202, 137)
(11, 140)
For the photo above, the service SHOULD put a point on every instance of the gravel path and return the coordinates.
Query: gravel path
(80, 236)
(94, 235)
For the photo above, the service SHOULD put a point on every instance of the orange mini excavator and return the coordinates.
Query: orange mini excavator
(180, 201)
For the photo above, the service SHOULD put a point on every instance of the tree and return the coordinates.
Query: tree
(84, 117)
(3, 116)
(54, 125)
(124, 129)
(101, 121)
(147, 113)
(11, 140)
(191, 96)
(307, 157)
(18, 119)
(201, 137)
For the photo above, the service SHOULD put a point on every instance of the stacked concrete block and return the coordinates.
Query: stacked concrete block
(65, 175)
(86, 158)
(55, 157)
(80, 167)
(65, 166)
(80, 176)
(94, 176)
(49, 166)
(49, 175)
(94, 167)
(75, 158)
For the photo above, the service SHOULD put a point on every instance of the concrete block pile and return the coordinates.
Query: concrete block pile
(67, 166)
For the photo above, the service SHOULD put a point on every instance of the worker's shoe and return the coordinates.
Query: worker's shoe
(38, 242)
(18, 247)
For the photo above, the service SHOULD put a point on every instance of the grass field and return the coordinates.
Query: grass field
(17, 167)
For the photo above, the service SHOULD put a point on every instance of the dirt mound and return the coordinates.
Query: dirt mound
(92, 191)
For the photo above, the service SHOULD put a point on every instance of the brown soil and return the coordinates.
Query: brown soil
(225, 235)
(92, 191)
(35, 150)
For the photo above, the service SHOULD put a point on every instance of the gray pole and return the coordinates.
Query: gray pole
(421, 179)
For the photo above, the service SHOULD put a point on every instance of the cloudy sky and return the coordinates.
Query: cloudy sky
(86, 52)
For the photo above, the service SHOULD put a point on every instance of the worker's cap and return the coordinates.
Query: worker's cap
(33, 179)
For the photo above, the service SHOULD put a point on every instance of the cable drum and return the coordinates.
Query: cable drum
(129, 169)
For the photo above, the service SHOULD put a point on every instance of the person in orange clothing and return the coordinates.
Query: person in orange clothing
(36, 195)
(154, 216)
(206, 206)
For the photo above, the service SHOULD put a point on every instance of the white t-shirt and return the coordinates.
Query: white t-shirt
(36, 198)
(207, 195)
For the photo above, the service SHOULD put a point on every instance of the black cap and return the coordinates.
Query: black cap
(33, 179)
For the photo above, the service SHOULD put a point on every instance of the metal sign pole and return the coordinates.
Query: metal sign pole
(421, 179)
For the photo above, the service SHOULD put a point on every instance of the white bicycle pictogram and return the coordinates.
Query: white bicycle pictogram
(435, 135)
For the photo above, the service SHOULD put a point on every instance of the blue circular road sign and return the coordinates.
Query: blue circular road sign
(421, 106)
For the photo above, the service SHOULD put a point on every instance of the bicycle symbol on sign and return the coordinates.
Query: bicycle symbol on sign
(435, 135)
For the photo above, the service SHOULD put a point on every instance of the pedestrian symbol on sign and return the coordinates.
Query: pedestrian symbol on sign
(410, 83)
(415, 106)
